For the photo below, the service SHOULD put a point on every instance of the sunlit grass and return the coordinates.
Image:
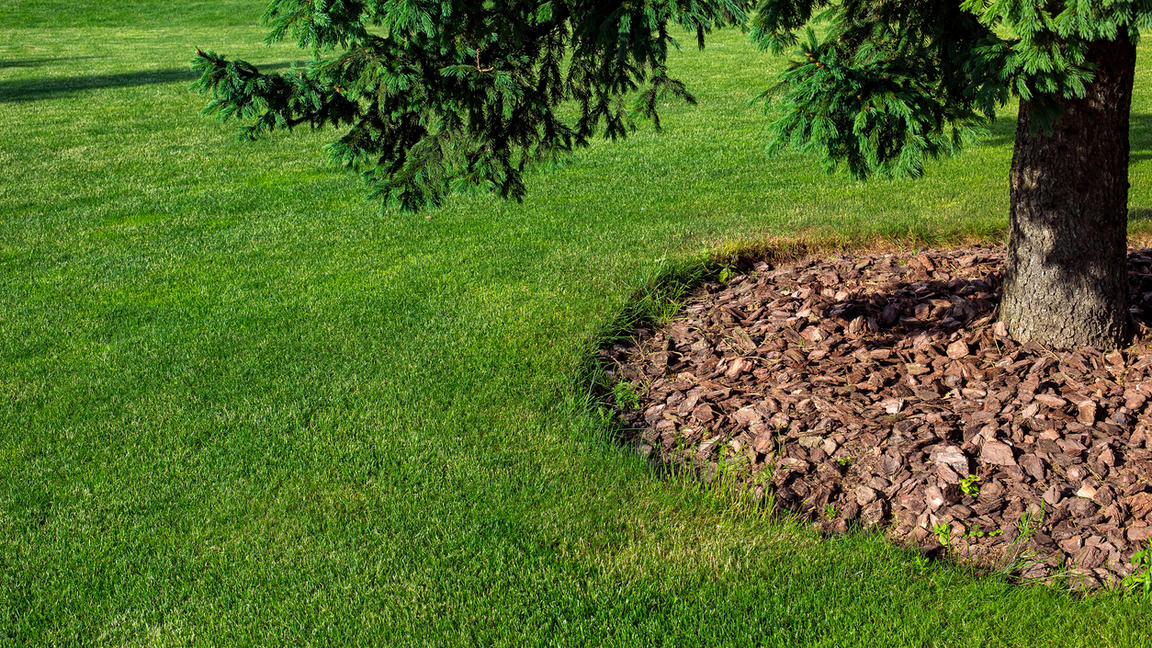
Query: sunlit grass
(242, 406)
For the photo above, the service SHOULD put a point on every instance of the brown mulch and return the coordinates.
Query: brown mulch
(880, 390)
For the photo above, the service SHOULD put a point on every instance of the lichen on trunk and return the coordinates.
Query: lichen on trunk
(1065, 283)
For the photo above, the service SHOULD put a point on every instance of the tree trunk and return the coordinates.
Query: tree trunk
(1065, 284)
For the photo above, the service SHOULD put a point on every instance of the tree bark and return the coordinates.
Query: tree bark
(1065, 285)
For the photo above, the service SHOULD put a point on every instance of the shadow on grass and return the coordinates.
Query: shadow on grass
(1140, 215)
(1003, 133)
(41, 62)
(43, 89)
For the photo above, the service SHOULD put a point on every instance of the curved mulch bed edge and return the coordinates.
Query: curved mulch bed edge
(879, 389)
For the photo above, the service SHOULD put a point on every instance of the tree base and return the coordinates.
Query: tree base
(1065, 285)
(879, 391)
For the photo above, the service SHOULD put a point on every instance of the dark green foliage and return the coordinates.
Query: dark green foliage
(895, 82)
(889, 85)
(445, 96)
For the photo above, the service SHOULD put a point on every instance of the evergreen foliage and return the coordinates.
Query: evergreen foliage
(435, 97)
(894, 82)
(444, 96)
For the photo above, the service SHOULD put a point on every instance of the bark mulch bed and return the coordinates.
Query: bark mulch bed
(880, 390)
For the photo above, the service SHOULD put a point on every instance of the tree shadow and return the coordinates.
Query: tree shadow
(931, 308)
(1141, 137)
(41, 62)
(1003, 133)
(936, 309)
(26, 90)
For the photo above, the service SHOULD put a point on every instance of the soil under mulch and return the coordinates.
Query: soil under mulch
(880, 390)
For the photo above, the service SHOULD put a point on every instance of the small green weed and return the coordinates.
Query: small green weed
(627, 398)
(976, 532)
(1017, 556)
(922, 562)
(1140, 580)
(606, 415)
(943, 533)
(1029, 524)
(970, 486)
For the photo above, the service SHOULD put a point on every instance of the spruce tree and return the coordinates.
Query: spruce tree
(435, 97)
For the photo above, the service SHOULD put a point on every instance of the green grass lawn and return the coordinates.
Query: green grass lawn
(240, 406)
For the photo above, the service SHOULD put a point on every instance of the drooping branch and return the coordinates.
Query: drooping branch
(448, 96)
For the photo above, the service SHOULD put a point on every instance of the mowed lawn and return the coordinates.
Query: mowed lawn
(239, 405)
